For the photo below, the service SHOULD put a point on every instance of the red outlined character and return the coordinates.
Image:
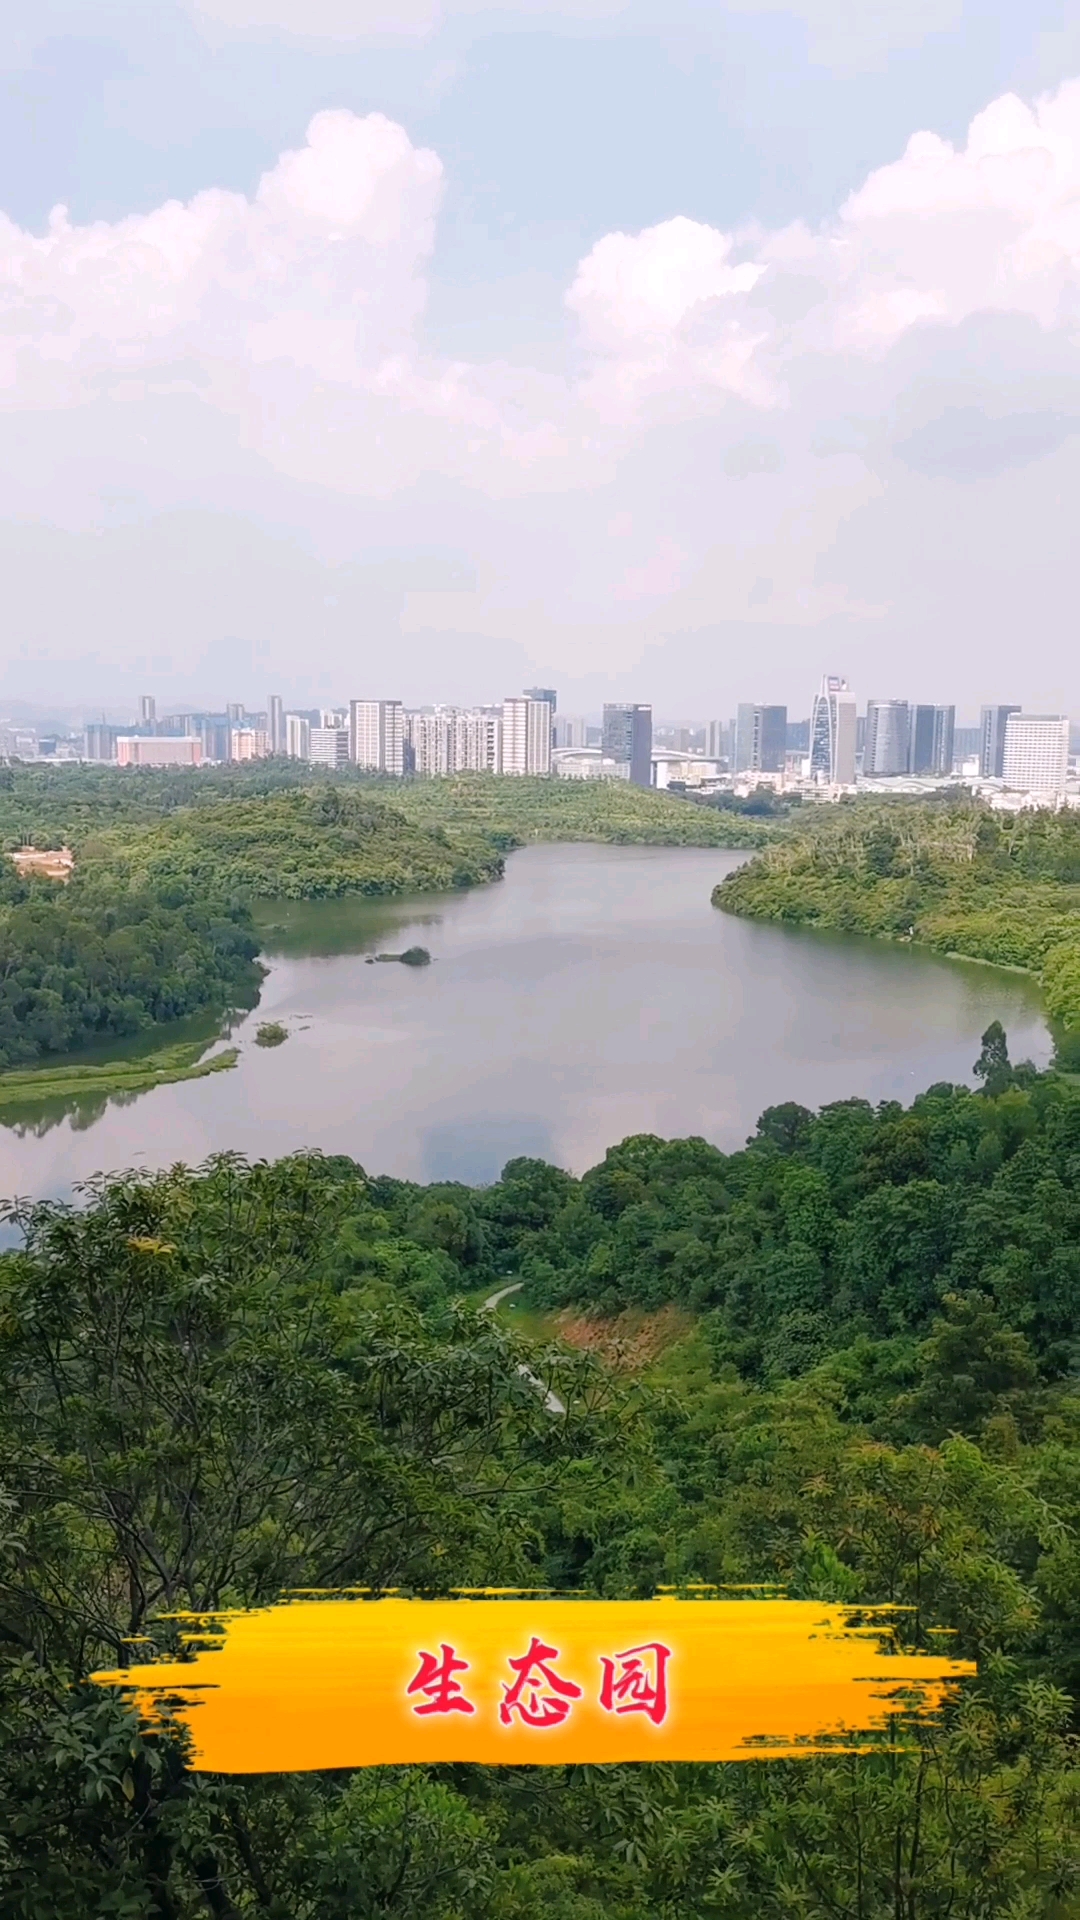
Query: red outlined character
(636, 1681)
(436, 1680)
(540, 1695)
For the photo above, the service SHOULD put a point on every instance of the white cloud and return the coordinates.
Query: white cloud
(268, 355)
(322, 268)
(941, 234)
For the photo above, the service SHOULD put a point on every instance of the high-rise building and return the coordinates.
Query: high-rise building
(944, 747)
(444, 740)
(234, 713)
(832, 733)
(275, 723)
(526, 735)
(887, 747)
(921, 753)
(515, 729)
(214, 735)
(147, 711)
(966, 744)
(627, 739)
(328, 747)
(716, 740)
(100, 741)
(547, 694)
(247, 743)
(933, 736)
(377, 735)
(540, 723)
(478, 741)
(1036, 755)
(432, 738)
(992, 724)
(760, 739)
(297, 736)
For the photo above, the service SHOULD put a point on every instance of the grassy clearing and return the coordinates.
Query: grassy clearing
(25, 1086)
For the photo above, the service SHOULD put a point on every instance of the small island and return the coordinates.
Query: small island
(412, 957)
(271, 1034)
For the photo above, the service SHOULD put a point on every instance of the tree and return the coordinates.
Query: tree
(992, 1066)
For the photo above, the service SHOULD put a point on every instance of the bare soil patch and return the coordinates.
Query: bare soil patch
(629, 1342)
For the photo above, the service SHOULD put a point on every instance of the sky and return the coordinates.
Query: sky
(664, 350)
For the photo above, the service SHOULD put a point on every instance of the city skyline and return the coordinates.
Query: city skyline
(835, 748)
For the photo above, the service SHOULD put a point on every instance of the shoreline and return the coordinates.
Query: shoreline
(28, 1088)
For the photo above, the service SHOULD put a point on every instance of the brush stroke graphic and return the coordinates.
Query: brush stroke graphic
(319, 1683)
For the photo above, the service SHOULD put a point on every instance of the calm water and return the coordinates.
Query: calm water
(592, 994)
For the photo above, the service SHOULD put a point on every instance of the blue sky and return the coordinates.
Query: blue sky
(555, 129)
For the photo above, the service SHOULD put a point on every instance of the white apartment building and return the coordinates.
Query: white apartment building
(297, 736)
(431, 736)
(377, 735)
(1036, 756)
(478, 742)
(526, 731)
(452, 741)
(328, 747)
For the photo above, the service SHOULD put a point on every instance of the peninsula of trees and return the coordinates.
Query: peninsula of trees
(959, 878)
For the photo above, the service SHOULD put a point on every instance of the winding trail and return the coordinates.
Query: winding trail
(552, 1402)
(495, 1299)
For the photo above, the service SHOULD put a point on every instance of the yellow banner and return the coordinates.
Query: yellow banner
(339, 1682)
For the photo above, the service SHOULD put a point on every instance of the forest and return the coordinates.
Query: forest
(953, 875)
(155, 922)
(224, 1382)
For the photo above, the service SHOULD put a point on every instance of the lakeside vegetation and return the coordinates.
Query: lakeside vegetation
(513, 811)
(26, 1086)
(221, 1383)
(155, 922)
(957, 877)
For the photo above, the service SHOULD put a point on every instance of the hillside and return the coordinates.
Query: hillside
(958, 878)
(514, 810)
(216, 1384)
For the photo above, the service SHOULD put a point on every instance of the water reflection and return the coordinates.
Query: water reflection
(593, 994)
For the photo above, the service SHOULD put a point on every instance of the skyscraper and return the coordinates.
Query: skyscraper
(944, 748)
(832, 733)
(1036, 753)
(100, 743)
(627, 739)
(526, 735)
(887, 748)
(147, 711)
(275, 723)
(760, 739)
(933, 734)
(992, 724)
(377, 735)
(547, 695)
(297, 736)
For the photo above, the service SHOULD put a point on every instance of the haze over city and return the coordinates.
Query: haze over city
(615, 347)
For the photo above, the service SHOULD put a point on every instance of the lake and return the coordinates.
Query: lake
(594, 993)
